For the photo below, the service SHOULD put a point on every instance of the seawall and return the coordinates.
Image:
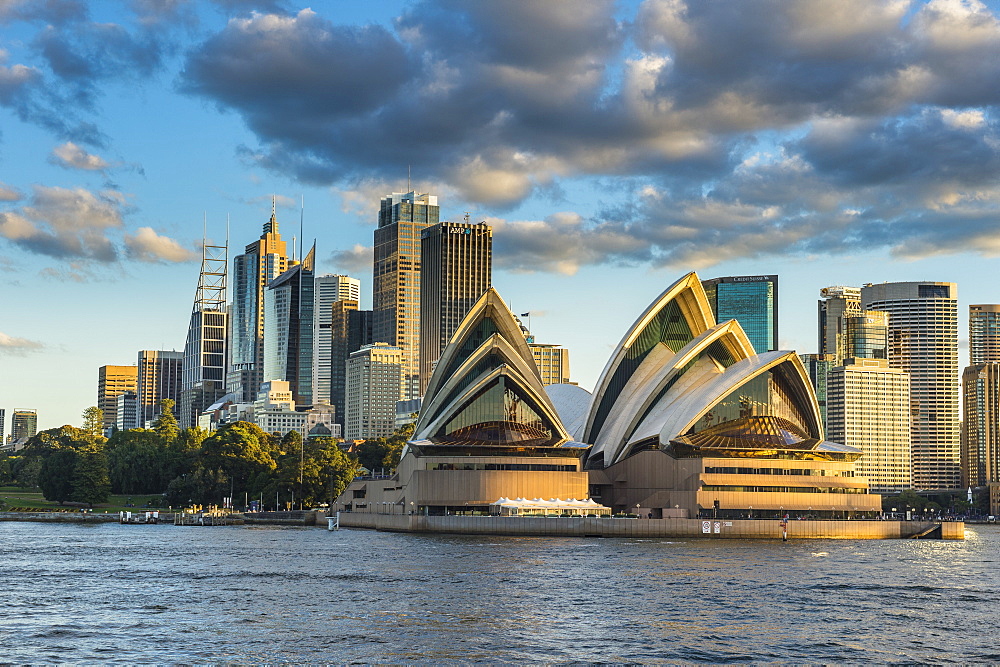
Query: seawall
(687, 528)
(60, 517)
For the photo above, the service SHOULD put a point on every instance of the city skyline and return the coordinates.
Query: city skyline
(606, 151)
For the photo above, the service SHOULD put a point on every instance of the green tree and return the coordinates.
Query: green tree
(138, 462)
(289, 462)
(166, 424)
(237, 453)
(55, 477)
(91, 483)
(327, 471)
(93, 421)
(56, 451)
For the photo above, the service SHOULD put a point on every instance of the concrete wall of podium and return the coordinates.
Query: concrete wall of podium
(690, 528)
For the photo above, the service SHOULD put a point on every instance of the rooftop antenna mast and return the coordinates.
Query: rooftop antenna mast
(302, 215)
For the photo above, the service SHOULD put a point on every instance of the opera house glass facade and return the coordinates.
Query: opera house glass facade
(685, 421)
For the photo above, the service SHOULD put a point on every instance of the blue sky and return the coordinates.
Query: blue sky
(613, 147)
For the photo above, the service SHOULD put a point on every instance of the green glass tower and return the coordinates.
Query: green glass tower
(750, 300)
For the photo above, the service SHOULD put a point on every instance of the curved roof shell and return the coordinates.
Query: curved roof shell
(486, 389)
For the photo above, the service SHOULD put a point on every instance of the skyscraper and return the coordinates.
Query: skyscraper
(24, 424)
(923, 341)
(159, 378)
(847, 331)
(750, 300)
(329, 290)
(981, 393)
(456, 268)
(3, 415)
(373, 377)
(396, 278)
(112, 382)
(288, 329)
(262, 261)
(869, 408)
(203, 372)
(984, 333)
(350, 330)
(981, 424)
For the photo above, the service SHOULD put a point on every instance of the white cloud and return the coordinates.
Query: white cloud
(148, 246)
(71, 156)
(13, 346)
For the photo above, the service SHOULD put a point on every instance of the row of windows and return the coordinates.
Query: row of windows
(528, 467)
(810, 472)
(782, 489)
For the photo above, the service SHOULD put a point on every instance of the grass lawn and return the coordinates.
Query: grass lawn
(14, 497)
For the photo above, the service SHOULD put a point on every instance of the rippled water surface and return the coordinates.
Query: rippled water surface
(164, 594)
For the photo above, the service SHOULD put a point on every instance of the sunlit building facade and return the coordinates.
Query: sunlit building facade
(552, 362)
(750, 300)
(923, 342)
(159, 378)
(262, 261)
(396, 278)
(112, 382)
(373, 377)
(869, 409)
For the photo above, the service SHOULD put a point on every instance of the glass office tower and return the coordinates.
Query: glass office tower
(750, 300)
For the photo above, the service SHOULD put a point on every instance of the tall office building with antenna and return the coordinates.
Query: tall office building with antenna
(203, 369)
(396, 278)
(262, 261)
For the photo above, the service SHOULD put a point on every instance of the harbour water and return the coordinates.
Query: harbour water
(112, 593)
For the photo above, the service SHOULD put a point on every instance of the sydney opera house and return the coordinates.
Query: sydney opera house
(685, 421)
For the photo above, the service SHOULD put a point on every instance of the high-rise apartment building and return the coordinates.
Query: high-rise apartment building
(203, 371)
(159, 378)
(3, 417)
(329, 289)
(262, 261)
(112, 382)
(984, 333)
(456, 269)
(288, 329)
(374, 374)
(24, 424)
(396, 278)
(923, 341)
(869, 408)
(552, 362)
(750, 300)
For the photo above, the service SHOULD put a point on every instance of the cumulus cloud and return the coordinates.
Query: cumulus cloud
(18, 347)
(148, 246)
(761, 126)
(70, 56)
(8, 193)
(71, 156)
(63, 223)
(353, 260)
